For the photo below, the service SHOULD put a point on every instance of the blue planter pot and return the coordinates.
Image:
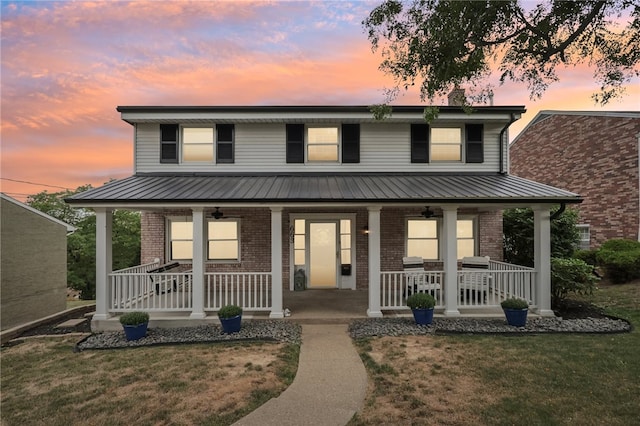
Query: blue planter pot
(516, 317)
(423, 316)
(135, 332)
(231, 325)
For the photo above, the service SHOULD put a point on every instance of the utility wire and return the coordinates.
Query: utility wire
(33, 183)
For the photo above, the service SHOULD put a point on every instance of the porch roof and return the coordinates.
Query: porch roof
(384, 188)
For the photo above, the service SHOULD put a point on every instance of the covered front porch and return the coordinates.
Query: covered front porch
(368, 217)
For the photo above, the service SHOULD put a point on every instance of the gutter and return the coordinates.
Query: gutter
(502, 133)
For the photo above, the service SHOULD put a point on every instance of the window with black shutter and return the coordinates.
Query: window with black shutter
(168, 143)
(420, 143)
(295, 143)
(224, 143)
(350, 143)
(474, 144)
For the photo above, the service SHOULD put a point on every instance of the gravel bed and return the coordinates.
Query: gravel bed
(268, 330)
(407, 326)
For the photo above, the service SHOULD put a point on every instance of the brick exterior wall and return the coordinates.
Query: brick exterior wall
(594, 156)
(256, 238)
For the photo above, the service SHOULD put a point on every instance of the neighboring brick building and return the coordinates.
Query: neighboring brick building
(594, 154)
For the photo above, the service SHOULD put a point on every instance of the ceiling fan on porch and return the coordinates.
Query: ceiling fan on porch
(428, 213)
(217, 214)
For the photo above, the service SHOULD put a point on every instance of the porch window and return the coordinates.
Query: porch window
(299, 243)
(345, 242)
(423, 237)
(322, 143)
(197, 144)
(180, 239)
(223, 241)
(466, 238)
(446, 144)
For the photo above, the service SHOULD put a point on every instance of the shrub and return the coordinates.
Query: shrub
(587, 256)
(514, 303)
(620, 266)
(134, 318)
(518, 235)
(621, 245)
(571, 276)
(421, 301)
(229, 311)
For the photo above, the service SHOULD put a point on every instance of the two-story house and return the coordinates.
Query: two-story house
(249, 202)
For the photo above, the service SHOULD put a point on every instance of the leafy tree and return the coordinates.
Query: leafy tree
(52, 203)
(445, 44)
(81, 245)
(518, 235)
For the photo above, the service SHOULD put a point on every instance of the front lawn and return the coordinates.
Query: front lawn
(45, 383)
(561, 379)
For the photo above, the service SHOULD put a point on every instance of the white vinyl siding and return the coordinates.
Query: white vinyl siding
(261, 147)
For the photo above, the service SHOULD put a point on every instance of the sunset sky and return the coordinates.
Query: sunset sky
(67, 65)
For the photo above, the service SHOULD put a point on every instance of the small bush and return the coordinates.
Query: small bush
(134, 318)
(587, 256)
(620, 266)
(421, 301)
(571, 276)
(514, 303)
(621, 245)
(229, 311)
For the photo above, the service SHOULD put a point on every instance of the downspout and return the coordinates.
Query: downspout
(563, 207)
(502, 133)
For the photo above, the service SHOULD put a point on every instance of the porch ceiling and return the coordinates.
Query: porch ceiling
(384, 188)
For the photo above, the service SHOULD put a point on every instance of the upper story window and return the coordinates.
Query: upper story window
(197, 144)
(322, 144)
(309, 144)
(446, 144)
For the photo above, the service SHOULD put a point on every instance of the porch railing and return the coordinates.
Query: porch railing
(249, 290)
(484, 288)
(396, 286)
(142, 291)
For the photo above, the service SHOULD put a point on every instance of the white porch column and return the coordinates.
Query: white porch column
(450, 255)
(374, 262)
(198, 262)
(276, 263)
(542, 259)
(104, 263)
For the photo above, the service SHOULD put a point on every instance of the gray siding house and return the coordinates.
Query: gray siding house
(242, 204)
(33, 253)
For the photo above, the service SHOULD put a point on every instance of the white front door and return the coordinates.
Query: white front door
(322, 254)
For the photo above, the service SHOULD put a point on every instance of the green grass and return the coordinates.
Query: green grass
(547, 379)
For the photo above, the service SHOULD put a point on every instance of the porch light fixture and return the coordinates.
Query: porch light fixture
(217, 214)
(365, 230)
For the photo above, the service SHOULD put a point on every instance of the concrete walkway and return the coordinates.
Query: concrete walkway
(329, 387)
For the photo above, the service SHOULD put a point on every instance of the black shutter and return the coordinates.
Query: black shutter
(224, 145)
(420, 143)
(168, 143)
(295, 143)
(474, 145)
(351, 143)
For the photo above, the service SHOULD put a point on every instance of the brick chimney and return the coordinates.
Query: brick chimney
(456, 97)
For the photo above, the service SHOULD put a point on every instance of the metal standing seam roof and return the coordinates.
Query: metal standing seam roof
(289, 188)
